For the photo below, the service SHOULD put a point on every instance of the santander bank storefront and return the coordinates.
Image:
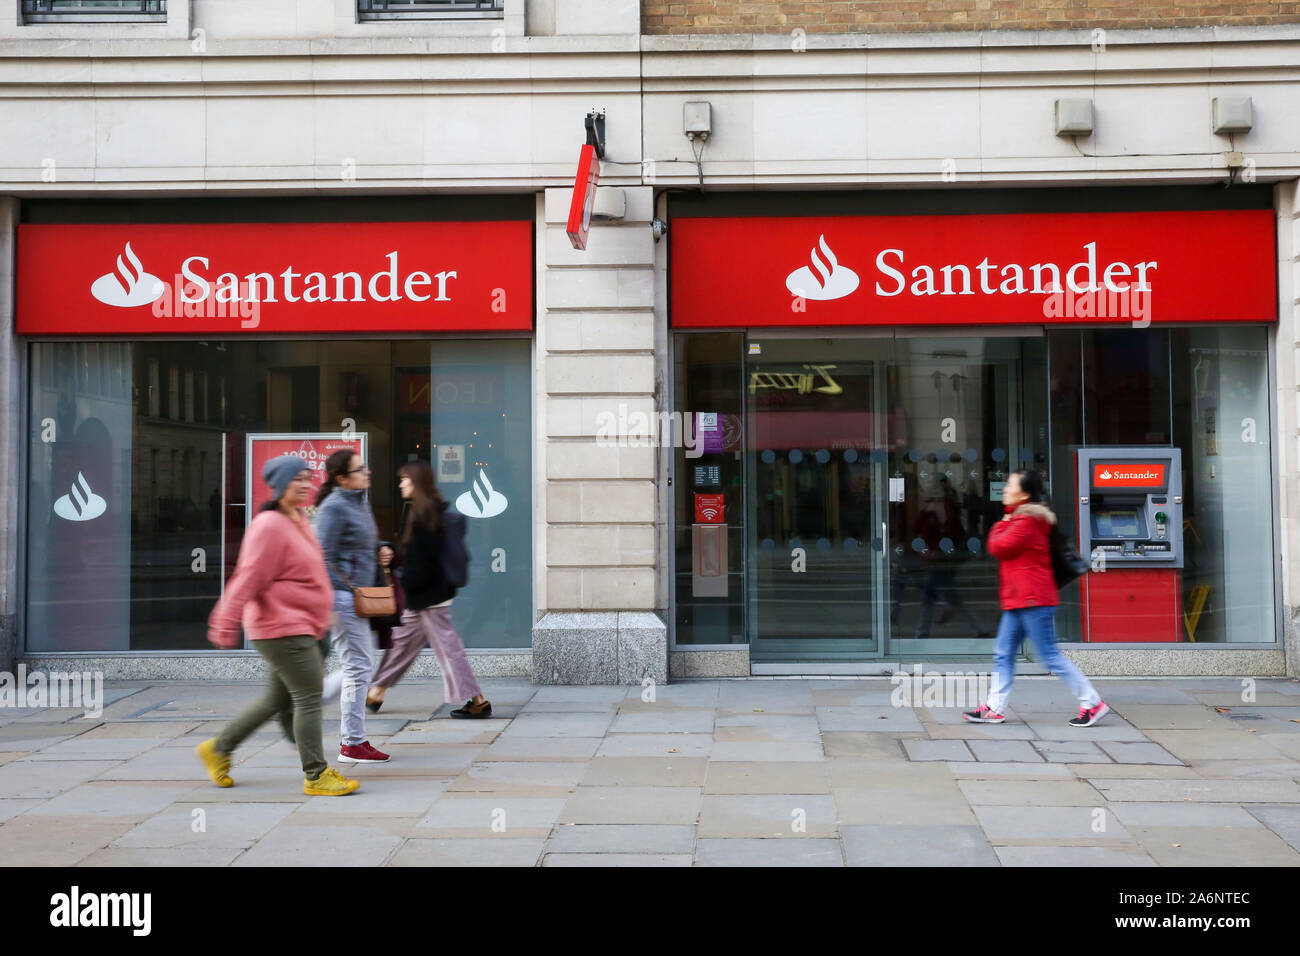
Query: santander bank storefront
(866, 369)
(172, 349)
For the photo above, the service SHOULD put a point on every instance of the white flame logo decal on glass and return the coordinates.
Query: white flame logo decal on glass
(129, 286)
(832, 281)
(81, 504)
(482, 500)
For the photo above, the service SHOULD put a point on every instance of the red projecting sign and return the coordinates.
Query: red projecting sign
(584, 196)
(256, 278)
(1131, 268)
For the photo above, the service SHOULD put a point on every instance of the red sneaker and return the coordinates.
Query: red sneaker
(361, 753)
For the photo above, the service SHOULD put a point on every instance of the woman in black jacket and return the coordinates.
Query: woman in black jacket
(430, 543)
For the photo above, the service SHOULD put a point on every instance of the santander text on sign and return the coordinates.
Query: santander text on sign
(282, 277)
(1215, 265)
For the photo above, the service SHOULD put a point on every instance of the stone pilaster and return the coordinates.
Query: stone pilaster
(1288, 407)
(596, 518)
(10, 439)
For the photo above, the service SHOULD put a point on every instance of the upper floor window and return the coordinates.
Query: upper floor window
(91, 11)
(428, 9)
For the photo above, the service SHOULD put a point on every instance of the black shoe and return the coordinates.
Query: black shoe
(373, 705)
(474, 710)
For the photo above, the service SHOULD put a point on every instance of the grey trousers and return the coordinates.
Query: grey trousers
(355, 643)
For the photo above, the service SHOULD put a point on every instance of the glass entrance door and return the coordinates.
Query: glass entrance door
(815, 461)
(874, 470)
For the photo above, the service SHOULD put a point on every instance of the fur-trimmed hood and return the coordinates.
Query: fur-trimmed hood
(1037, 510)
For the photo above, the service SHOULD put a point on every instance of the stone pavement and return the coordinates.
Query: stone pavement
(810, 772)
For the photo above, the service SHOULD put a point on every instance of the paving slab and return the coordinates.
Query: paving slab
(534, 775)
(768, 727)
(757, 777)
(734, 816)
(622, 838)
(97, 748)
(425, 759)
(923, 750)
(499, 816)
(1200, 791)
(1184, 815)
(1071, 856)
(934, 801)
(664, 722)
(1196, 716)
(534, 748)
(777, 752)
(1010, 771)
(29, 840)
(113, 799)
(841, 743)
(912, 845)
(28, 743)
(329, 845)
(155, 856)
(616, 859)
(422, 852)
(452, 731)
(1110, 728)
(221, 826)
(853, 697)
(1071, 751)
(1131, 771)
(594, 693)
(1120, 692)
(671, 771)
(1282, 820)
(1231, 744)
(645, 805)
(1059, 826)
(768, 852)
(849, 772)
(689, 693)
(1216, 846)
(890, 720)
(1030, 793)
(558, 725)
(1137, 753)
(655, 745)
(1008, 751)
(47, 778)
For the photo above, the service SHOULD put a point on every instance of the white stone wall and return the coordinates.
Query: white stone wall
(1287, 440)
(596, 346)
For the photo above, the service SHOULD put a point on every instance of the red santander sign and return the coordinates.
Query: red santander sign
(255, 278)
(1129, 474)
(1040, 268)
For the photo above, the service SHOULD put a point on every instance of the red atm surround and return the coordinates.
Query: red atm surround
(1129, 605)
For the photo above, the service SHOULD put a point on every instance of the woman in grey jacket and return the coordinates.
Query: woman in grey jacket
(345, 527)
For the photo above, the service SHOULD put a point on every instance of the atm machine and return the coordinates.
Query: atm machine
(1130, 509)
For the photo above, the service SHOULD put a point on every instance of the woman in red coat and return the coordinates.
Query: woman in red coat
(1021, 542)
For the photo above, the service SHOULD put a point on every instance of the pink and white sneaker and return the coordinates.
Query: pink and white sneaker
(361, 753)
(982, 715)
(1090, 715)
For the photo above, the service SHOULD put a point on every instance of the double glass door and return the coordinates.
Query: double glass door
(874, 467)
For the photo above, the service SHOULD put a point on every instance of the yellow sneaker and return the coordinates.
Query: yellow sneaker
(331, 783)
(216, 763)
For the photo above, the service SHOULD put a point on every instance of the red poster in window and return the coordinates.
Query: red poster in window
(1136, 269)
(710, 509)
(257, 278)
(314, 448)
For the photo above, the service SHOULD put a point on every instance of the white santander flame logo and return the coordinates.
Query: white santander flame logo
(80, 504)
(129, 286)
(1105, 475)
(831, 281)
(482, 500)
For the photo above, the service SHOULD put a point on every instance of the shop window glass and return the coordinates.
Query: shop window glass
(135, 520)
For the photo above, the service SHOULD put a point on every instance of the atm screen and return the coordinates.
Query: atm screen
(1117, 523)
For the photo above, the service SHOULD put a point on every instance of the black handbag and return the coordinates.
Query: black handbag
(1067, 563)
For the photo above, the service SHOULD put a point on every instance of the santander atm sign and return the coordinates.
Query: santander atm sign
(283, 277)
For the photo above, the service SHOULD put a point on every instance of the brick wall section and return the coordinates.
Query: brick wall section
(912, 16)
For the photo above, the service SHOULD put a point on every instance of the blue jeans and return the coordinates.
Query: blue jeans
(1039, 624)
(355, 644)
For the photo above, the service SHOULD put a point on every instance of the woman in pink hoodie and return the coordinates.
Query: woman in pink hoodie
(281, 594)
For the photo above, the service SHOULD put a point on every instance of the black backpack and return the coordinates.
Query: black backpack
(1067, 563)
(453, 556)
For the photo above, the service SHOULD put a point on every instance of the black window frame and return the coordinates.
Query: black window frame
(89, 11)
(369, 11)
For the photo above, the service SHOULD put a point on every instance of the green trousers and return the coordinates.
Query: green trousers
(294, 680)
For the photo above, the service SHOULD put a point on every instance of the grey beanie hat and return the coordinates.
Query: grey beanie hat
(278, 472)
